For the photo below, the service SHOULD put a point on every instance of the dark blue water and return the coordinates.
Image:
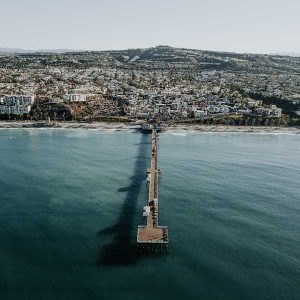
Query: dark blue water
(71, 201)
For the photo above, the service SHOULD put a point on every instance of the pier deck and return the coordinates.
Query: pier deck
(153, 237)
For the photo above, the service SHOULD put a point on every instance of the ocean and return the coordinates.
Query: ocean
(71, 201)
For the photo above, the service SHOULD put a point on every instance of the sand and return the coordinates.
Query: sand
(171, 128)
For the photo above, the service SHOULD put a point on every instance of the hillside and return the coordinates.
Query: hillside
(162, 57)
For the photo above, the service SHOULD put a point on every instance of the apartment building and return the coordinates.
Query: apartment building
(16, 104)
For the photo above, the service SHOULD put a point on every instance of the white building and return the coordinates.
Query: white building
(217, 109)
(200, 113)
(275, 111)
(74, 97)
(263, 111)
(16, 104)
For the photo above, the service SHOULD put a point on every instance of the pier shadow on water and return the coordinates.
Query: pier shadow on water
(122, 249)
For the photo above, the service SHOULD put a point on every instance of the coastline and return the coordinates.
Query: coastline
(170, 128)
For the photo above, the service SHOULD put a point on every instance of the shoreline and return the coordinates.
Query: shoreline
(172, 128)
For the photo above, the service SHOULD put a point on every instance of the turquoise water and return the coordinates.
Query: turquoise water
(71, 201)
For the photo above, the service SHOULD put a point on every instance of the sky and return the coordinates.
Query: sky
(255, 26)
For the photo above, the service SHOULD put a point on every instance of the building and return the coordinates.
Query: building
(74, 96)
(16, 104)
(200, 113)
(17, 100)
(4, 110)
(275, 111)
(272, 111)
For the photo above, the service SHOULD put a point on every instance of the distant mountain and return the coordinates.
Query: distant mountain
(23, 51)
(168, 57)
(144, 52)
(161, 58)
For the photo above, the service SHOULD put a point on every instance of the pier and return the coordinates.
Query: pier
(152, 238)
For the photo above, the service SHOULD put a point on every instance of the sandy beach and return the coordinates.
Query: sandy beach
(132, 126)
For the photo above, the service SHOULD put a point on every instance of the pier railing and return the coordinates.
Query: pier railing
(153, 234)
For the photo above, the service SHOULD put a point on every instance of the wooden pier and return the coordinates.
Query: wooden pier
(152, 237)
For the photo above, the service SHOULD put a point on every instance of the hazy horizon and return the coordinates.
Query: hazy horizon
(62, 50)
(233, 26)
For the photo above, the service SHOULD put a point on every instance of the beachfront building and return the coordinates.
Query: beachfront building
(15, 110)
(16, 104)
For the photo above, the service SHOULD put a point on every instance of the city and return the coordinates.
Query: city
(167, 84)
